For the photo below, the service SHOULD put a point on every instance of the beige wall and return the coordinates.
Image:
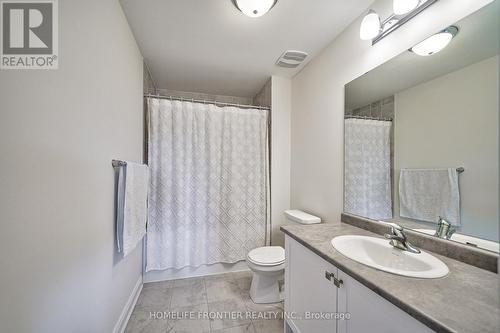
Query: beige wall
(318, 101)
(59, 130)
(281, 105)
(452, 121)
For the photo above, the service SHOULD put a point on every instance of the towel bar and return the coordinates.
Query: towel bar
(460, 170)
(118, 163)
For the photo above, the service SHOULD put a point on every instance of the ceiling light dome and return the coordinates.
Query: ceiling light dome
(401, 7)
(254, 8)
(370, 26)
(435, 43)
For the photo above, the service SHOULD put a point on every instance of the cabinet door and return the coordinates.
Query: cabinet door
(370, 312)
(309, 294)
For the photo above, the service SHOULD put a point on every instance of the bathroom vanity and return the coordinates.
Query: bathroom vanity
(328, 292)
(420, 155)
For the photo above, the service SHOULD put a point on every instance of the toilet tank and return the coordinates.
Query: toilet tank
(301, 217)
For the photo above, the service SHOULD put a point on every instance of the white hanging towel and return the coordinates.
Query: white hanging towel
(427, 194)
(131, 214)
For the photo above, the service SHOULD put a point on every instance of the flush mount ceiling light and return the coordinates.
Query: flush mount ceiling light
(435, 43)
(404, 10)
(254, 8)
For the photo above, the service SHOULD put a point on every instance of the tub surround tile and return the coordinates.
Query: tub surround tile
(473, 292)
(365, 111)
(375, 109)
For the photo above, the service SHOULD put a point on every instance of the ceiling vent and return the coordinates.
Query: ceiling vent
(291, 59)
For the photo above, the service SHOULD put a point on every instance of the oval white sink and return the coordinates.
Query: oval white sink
(379, 254)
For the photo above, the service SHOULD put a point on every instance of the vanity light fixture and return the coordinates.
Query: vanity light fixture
(254, 8)
(401, 7)
(404, 10)
(370, 26)
(436, 42)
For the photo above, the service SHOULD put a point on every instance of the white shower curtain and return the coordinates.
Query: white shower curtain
(368, 168)
(209, 183)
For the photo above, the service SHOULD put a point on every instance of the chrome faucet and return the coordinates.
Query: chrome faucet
(444, 229)
(398, 238)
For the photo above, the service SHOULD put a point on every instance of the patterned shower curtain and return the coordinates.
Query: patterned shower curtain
(368, 168)
(208, 197)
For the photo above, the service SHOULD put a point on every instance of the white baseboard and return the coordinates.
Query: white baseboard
(121, 324)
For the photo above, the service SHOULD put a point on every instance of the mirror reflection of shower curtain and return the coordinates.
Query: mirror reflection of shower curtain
(208, 198)
(367, 172)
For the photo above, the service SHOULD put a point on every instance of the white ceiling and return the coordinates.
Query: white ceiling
(478, 39)
(209, 46)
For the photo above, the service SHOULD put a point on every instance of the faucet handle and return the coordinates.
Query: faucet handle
(443, 221)
(451, 231)
(393, 225)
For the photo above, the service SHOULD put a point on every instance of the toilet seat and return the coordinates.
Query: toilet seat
(267, 256)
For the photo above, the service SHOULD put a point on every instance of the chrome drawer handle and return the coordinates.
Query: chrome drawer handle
(337, 282)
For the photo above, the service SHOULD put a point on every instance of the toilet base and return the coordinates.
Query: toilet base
(265, 287)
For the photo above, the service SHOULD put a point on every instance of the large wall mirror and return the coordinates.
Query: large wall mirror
(421, 135)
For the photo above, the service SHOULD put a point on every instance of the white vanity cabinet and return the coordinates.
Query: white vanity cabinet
(309, 293)
(370, 312)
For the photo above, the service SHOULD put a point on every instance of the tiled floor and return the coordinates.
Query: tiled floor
(216, 304)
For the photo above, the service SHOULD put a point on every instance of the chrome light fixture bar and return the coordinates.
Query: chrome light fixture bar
(394, 21)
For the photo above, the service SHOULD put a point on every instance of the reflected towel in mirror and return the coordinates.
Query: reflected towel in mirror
(426, 194)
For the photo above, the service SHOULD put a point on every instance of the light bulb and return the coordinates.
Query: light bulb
(255, 8)
(435, 43)
(401, 7)
(370, 26)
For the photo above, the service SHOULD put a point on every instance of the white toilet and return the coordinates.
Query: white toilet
(268, 264)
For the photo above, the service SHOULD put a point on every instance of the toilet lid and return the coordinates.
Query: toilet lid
(267, 255)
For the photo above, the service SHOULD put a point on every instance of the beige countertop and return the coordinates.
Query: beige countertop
(466, 300)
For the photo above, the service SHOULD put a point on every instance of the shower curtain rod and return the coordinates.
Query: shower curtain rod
(368, 118)
(194, 100)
